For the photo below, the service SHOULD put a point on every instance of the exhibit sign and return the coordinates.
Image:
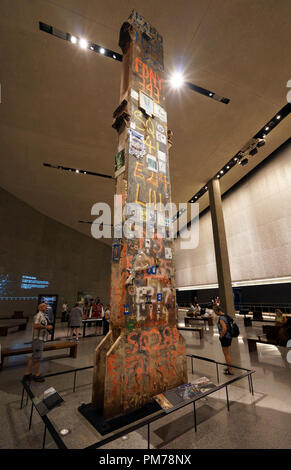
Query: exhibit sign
(179, 396)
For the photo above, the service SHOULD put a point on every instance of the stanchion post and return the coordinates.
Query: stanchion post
(217, 373)
(75, 375)
(227, 400)
(195, 420)
(30, 419)
(44, 436)
(22, 397)
(149, 436)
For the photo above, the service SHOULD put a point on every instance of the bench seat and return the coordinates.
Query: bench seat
(48, 346)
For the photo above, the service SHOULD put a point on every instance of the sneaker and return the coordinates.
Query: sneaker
(38, 378)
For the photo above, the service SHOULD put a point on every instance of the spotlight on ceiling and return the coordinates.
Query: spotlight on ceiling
(267, 128)
(278, 116)
(83, 43)
(176, 80)
(74, 39)
(261, 142)
(253, 151)
(102, 50)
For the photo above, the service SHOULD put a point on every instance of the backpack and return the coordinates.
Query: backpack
(233, 328)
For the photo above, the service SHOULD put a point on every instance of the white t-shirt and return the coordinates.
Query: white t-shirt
(40, 319)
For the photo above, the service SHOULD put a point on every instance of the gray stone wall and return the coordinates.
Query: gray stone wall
(35, 245)
(257, 216)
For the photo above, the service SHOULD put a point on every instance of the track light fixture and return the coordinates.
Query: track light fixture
(251, 147)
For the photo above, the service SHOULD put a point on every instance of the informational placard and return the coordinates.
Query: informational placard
(178, 396)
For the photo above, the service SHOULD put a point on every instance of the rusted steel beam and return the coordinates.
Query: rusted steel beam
(144, 353)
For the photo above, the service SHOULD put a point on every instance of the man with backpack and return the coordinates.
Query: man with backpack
(228, 329)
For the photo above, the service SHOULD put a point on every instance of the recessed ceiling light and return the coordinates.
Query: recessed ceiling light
(218, 176)
(114, 56)
(221, 171)
(210, 94)
(227, 167)
(278, 117)
(74, 39)
(102, 50)
(176, 80)
(205, 187)
(235, 159)
(77, 171)
(267, 128)
(83, 43)
(92, 48)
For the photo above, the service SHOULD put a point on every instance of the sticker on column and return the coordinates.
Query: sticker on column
(136, 144)
(116, 251)
(160, 128)
(161, 137)
(161, 219)
(134, 94)
(119, 163)
(126, 310)
(147, 243)
(160, 112)
(159, 297)
(168, 253)
(162, 162)
(146, 103)
(152, 163)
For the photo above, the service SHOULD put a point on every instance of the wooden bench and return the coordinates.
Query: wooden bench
(5, 324)
(48, 346)
(252, 343)
(192, 328)
(188, 320)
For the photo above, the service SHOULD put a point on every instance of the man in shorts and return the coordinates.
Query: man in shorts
(39, 335)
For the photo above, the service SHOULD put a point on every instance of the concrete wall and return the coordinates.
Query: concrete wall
(35, 245)
(257, 216)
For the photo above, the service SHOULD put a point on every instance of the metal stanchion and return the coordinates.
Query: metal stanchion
(227, 397)
(217, 373)
(44, 436)
(75, 375)
(149, 436)
(195, 420)
(31, 412)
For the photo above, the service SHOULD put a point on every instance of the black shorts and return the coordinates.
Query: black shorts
(225, 342)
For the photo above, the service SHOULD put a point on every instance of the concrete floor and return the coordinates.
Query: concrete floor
(259, 421)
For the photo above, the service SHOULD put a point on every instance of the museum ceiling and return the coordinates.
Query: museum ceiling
(57, 100)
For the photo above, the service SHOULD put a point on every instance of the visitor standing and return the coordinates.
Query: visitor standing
(75, 319)
(39, 336)
(225, 337)
(106, 320)
(64, 311)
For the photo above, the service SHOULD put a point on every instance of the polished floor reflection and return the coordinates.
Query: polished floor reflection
(259, 421)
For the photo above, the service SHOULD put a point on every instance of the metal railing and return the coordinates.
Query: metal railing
(48, 425)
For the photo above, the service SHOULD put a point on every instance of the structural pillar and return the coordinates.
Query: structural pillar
(220, 245)
(143, 354)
